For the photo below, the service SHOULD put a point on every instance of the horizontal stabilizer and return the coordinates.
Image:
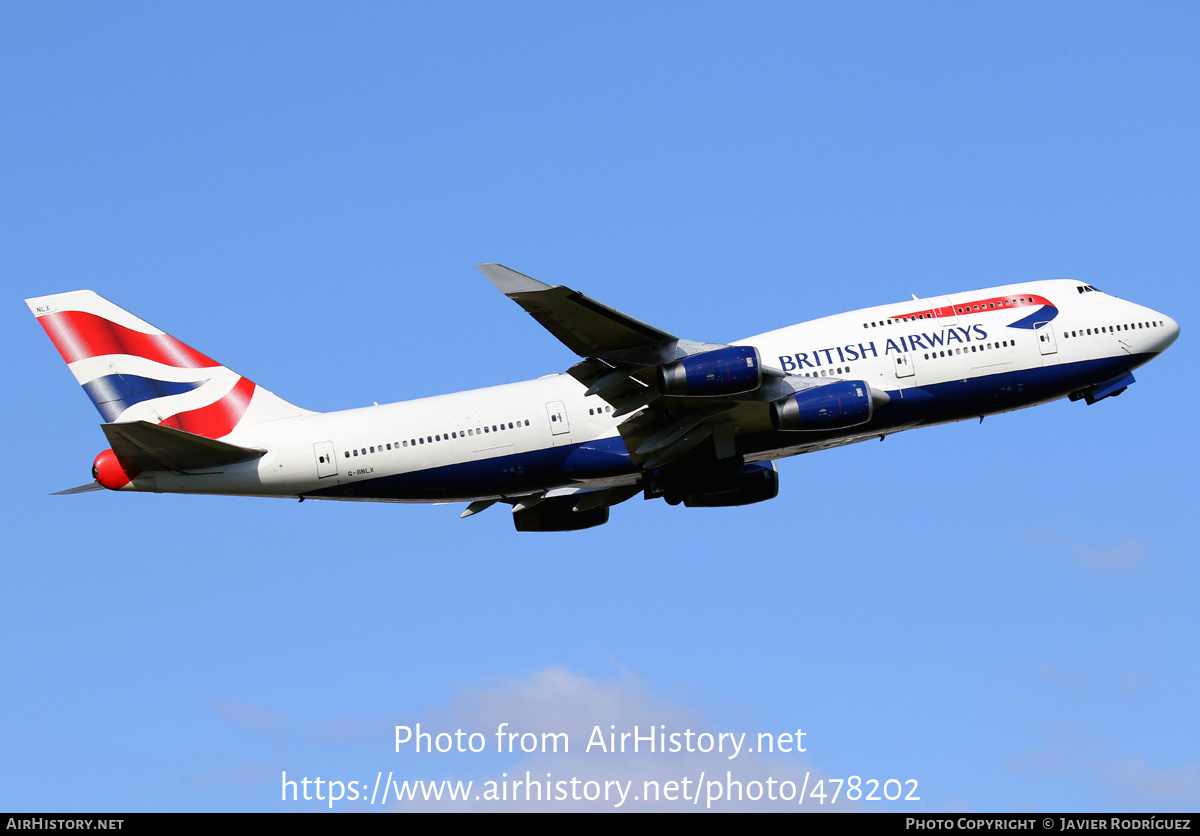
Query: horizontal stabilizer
(90, 486)
(140, 445)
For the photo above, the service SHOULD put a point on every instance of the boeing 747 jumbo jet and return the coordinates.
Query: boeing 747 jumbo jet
(642, 412)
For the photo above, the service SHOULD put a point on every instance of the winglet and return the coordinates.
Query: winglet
(510, 281)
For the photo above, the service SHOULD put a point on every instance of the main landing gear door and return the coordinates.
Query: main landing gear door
(326, 461)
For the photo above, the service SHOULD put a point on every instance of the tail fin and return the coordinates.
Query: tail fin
(132, 371)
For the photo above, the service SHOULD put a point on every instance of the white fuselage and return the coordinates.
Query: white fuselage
(940, 359)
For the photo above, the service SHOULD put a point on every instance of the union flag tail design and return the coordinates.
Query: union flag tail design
(132, 371)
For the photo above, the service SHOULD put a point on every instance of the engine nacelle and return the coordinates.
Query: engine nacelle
(753, 483)
(556, 514)
(726, 371)
(833, 406)
(108, 472)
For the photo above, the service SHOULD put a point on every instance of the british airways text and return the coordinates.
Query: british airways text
(911, 342)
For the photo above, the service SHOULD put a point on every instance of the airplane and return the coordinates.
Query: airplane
(642, 412)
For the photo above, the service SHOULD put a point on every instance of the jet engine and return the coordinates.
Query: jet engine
(753, 483)
(845, 403)
(725, 371)
(558, 514)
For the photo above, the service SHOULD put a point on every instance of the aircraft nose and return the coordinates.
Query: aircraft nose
(1169, 330)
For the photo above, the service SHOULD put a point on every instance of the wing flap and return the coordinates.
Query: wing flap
(140, 445)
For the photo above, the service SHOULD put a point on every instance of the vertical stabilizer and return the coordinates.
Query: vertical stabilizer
(132, 371)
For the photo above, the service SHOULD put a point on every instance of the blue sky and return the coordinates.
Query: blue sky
(1003, 612)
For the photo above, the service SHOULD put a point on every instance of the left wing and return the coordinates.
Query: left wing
(583, 325)
(679, 394)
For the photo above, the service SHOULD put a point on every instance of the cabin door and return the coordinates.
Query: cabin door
(326, 460)
(1045, 335)
(556, 411)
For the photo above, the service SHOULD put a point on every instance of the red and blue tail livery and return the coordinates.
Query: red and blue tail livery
(642, 412)
(132, 371)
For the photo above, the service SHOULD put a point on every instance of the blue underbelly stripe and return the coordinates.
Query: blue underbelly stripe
(607, 457)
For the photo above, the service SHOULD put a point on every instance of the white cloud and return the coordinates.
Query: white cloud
(1074, 751)
(248, 716)
(1127, 554)
(556, 700)
(1072, 680)
(1163, 786)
